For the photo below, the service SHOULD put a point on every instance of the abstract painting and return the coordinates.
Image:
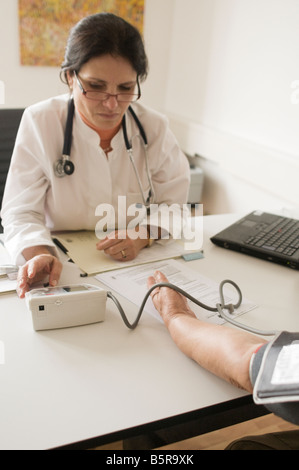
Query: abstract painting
(45, 25)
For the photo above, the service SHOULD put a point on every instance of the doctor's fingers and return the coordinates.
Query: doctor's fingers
(44, 264)
(55, 272)
(22, 282)
(114, 237)
(35, 270)
(119, 251)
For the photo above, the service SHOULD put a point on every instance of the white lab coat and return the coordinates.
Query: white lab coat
(36, 202)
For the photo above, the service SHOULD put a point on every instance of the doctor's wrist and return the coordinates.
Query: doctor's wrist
(31, 252)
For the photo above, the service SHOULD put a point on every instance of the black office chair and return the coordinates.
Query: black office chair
(9, 124)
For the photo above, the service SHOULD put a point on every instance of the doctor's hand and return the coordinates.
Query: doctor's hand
(123, 247)
(35, 270)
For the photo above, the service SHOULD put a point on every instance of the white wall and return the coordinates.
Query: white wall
(230, 97)
(23, 85)
(223, 71)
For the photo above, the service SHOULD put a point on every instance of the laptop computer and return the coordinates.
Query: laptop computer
(262, 235)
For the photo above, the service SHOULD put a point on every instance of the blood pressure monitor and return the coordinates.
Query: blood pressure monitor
(66, 306)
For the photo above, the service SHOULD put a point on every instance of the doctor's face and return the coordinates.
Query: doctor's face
(106, 74)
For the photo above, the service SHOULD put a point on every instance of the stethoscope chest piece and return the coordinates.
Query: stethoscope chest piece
(63, 166)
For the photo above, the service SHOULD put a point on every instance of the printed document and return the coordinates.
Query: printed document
(131, 283)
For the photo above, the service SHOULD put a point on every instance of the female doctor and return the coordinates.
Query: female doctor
(104, 64)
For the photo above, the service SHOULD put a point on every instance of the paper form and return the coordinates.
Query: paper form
(131, 283)
(6, 285)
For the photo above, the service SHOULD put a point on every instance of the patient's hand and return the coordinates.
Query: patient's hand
(168, 302)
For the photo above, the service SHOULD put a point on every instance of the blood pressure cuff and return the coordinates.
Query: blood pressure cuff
(274, 373)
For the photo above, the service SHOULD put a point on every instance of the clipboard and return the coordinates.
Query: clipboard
(81, 248)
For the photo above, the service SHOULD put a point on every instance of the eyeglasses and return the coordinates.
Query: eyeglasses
(103, 96)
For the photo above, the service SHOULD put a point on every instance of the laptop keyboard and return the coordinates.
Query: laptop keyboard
(281, 237)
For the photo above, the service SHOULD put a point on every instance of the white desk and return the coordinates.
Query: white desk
(103, 382)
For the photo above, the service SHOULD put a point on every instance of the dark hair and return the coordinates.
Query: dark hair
(101, 34)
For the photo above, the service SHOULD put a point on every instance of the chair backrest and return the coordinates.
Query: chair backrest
(9, 124)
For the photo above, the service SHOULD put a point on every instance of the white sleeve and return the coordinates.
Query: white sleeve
(24, 197)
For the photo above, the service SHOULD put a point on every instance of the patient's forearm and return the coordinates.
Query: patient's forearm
(222, 350)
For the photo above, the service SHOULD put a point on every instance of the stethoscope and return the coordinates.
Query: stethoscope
(64, 166)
